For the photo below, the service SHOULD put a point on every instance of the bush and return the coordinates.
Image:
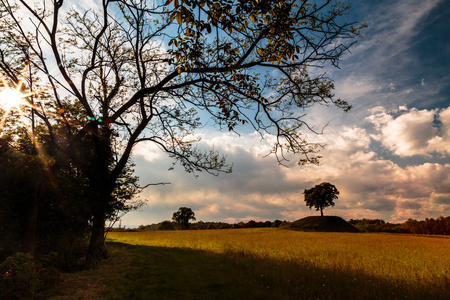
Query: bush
(22, 277)
(19, 278)
(166, 225)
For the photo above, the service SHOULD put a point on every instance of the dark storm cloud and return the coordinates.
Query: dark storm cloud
(410, 205)
(379, 204)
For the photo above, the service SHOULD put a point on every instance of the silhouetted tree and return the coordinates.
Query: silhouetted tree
(130, 71)
(276, 223)
(183, 216)
(36, 216)
(375, 225)
(321, 196)
(440, 225)
(166, 225)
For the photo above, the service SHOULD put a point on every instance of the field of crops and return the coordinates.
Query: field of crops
(303, 265)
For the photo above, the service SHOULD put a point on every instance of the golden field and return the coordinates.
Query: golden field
(293, 264)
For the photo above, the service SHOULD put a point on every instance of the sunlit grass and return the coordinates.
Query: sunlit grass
(324, 265)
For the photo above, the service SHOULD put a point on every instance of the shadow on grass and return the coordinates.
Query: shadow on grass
(174, 273)
(145, 272)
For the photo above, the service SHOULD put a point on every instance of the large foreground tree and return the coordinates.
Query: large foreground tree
(131, 71)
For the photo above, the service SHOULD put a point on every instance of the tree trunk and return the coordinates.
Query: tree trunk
(97, 242)
(101, 193)
(321, 211)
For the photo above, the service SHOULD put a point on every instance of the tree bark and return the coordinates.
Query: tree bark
(101, 193)
(321, 211)
(97, 240)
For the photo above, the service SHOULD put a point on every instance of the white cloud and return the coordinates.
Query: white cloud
(415, 132)
(352, 139)
(260, 189)
(252, 143)
(409, 134)
(149, 151)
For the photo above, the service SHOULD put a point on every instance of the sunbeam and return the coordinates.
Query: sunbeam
(12, 98)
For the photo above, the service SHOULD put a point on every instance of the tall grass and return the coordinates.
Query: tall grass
(322, 265)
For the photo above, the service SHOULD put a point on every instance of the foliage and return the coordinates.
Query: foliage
(211, 225)
(166, 225)
(321, 196)
(277, 223)
(182, 217)
(439, 226)
(33, 209)
(376, 225)
(43, 202)
(16, 192)
(18, 277)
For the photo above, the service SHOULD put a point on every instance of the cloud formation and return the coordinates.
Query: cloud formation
(370, 186)
(389, 157)
(416, 132)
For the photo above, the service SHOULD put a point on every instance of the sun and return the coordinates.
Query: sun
(11, 98)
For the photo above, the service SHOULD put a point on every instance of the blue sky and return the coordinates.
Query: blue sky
(389, 156)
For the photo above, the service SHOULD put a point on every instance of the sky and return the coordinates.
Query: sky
(389, 156)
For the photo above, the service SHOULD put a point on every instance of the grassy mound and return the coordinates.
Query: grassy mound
(325, 224)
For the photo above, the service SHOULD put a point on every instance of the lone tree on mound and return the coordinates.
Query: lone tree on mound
(183, 216)
(321, 196)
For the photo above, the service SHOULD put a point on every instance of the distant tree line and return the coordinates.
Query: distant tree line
(181, 218)
(169, 225)
(439, 226)
(376, 225)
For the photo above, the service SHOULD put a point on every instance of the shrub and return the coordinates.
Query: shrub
(19, 278)
(166, 225)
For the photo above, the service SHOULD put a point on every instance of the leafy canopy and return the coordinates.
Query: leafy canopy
(183, 216)
(321, 196)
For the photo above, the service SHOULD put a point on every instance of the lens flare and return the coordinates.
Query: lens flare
(11, 98)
